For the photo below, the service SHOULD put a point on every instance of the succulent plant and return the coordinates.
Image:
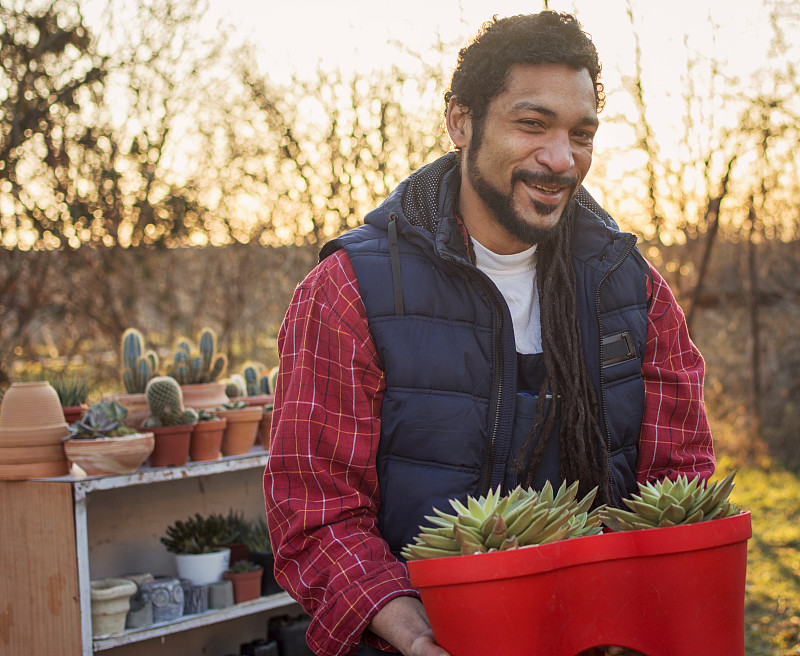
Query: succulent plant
(242, 566)
(258, 540)
(197, 364)
(206, 415)
(236, 526)
(165, 402)
(196, 535)
(139, 365)
(71, 391)
(102, 419)
(234, 405)
(493, 523)
(668, 503)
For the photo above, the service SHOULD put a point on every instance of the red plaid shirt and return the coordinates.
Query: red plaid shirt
(321, 483)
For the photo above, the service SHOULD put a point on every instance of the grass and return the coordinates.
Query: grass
(772, 598)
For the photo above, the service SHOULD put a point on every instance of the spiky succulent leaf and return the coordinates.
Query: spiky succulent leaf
(672, 503)
(493, 522)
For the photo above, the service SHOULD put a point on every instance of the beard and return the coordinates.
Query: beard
(503, 207)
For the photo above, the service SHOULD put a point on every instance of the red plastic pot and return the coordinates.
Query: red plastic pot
(663, 592)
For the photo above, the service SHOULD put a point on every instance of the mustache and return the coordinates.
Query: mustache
(542, 178)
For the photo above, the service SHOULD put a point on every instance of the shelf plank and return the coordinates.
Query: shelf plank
(83, 485)
(271, 602)
(38, 581)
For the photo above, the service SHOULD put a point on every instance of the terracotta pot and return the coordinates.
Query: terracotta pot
(264, 427)
(242, 429)
(31, 430)
(171, 445)
(204, 396)
(246, 585)
(28, 455)
(73, 413)
(135, 404)
(663, 591)
(19, 472)
(29, 406)
(206, 441)
(110, 455)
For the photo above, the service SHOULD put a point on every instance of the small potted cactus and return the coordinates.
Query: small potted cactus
(139, 365)
(246, 578)
(251, 385)
(199, 368)
(242, 428)
(206, 442)
(102, 443)
(170, 421)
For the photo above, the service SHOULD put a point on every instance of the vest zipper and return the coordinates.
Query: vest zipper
(486, 476)
(623, 256)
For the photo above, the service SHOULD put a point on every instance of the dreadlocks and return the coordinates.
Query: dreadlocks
(582, 441)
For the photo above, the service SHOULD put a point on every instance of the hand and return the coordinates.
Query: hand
(403, 623)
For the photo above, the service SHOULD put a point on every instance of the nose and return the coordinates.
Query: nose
(556, 153)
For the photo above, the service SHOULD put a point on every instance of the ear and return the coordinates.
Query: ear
(459, 123)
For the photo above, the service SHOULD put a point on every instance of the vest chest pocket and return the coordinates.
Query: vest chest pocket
(618, 348)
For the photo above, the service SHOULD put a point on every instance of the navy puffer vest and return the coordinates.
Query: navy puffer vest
(444, 335)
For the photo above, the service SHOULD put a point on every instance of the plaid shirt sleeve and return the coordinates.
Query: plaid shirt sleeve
(675, 437)
(320, 483)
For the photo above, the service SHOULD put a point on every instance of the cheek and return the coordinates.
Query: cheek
(583, 162)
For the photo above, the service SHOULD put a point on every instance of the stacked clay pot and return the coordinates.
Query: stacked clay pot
(32, 427)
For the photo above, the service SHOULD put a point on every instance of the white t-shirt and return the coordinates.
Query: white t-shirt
(515, 277)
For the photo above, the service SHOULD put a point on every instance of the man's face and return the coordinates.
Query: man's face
(524, 163)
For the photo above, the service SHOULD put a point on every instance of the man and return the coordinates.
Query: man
(414, 357)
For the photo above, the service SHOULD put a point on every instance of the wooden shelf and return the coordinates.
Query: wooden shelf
(107, 525)
(193, 621)
(147, 475)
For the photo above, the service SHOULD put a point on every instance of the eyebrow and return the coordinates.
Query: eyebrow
(526, 105)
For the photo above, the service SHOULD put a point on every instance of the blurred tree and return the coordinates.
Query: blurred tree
(310, 158)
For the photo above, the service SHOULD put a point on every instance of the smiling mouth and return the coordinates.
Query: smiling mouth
(545, 189)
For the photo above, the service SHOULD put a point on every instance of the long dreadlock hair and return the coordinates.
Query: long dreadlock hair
(581, 437)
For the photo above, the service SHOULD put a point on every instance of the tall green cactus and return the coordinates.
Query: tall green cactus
(197, 364)
(138, 365)
(165, 401)
(251, 372)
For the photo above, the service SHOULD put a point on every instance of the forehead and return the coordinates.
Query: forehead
(554, 86)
